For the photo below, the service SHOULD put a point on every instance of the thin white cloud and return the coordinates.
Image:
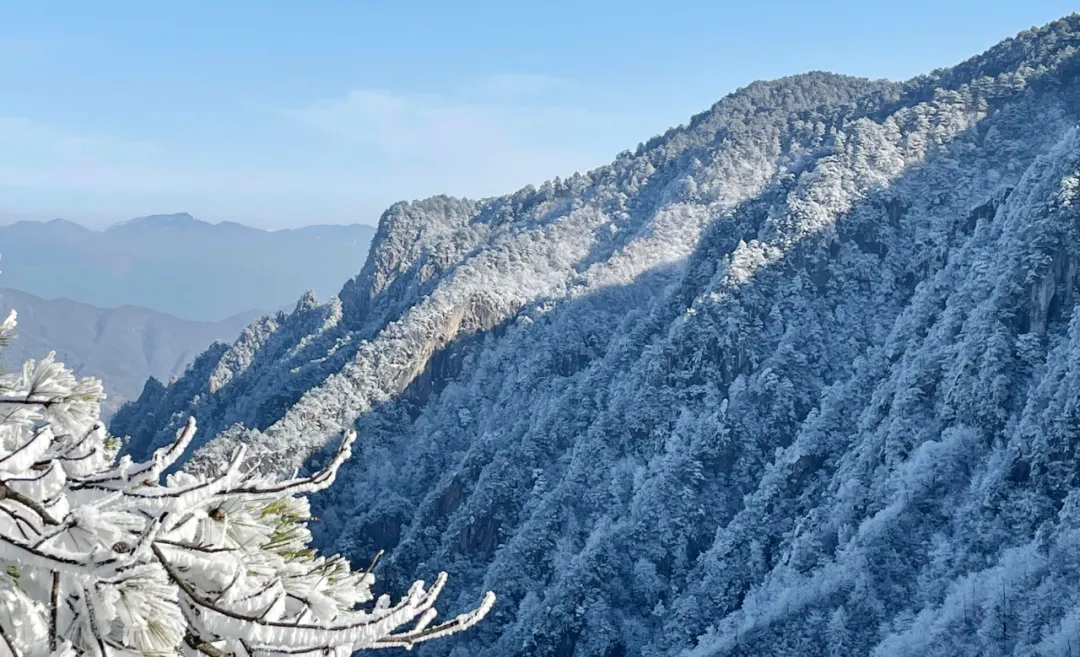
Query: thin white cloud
(29, 144)
(516, 85)
(41, 156)
(400, 125)
(488, 137)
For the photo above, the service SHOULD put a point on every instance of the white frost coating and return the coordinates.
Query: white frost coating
(100, 556)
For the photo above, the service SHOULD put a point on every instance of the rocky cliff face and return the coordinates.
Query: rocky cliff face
(798, 378)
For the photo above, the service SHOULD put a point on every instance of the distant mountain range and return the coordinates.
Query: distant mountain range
(122, 346)
(177, 264)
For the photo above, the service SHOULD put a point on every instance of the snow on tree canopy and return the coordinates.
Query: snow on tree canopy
(104, 556)
(798, 378)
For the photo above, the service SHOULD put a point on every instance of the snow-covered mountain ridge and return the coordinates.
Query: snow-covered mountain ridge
(797, 378)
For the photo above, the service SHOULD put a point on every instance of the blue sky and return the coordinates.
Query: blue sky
(281, 114)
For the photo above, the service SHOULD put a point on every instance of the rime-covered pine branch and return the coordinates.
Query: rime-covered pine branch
(105, 556)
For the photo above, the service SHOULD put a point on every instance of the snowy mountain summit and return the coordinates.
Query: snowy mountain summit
(797, 378)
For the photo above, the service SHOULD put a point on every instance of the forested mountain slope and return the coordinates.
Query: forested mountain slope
(798, 378)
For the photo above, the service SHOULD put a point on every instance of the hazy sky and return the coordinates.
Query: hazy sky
(288, 113)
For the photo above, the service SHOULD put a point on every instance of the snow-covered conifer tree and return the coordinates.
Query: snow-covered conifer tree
(104, 556)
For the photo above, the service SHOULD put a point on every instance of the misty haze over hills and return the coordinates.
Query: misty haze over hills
(122, 346)
(117, 304)
(797, 378)
(179, 265)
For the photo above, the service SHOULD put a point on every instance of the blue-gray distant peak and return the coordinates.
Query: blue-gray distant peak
(179, 264)
(64, 224)
(178, 219)
(51, 227)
